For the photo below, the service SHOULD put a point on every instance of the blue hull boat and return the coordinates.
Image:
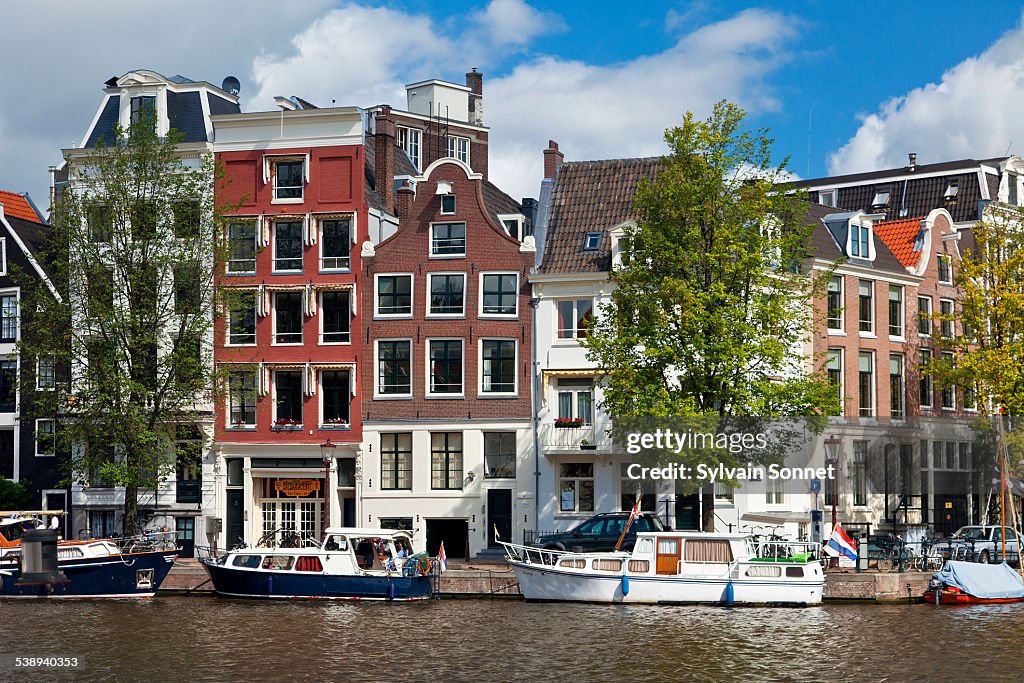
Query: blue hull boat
(110, 575)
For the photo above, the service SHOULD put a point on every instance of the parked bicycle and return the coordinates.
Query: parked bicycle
(894, 553)
(930, 558)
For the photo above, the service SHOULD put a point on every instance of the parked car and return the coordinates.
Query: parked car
(982, 544)
(601, 532)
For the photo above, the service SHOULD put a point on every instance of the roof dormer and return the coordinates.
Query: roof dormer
(854, 233)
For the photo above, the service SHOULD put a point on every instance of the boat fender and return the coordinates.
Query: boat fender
(391, 591)
(625, 585)
(730, 594)
(270, 584)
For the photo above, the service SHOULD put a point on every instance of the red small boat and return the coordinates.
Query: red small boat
(968, 583)
(951, 595)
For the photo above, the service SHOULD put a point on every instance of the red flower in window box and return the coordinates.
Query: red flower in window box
(568, 422)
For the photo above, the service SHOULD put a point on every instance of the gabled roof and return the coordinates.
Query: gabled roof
(591, 196)
(498, 202)
(824, 244)
(901, 237)
(900, 172)
(18, 206)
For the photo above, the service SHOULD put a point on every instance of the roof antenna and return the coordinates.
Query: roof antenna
(1008, 148)
(810, 113)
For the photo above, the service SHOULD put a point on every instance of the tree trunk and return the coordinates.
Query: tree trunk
(707, 508)
(131, 509)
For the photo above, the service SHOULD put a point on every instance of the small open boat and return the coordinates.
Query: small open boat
(970, 583)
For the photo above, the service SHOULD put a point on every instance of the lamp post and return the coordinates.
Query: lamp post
(327, 452)
(832, 460)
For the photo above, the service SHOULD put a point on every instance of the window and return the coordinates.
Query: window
(946, 318)
(952, 187)
(970, 398)
(288, 178)
(774, 492)
(335, 317)
(242, 399)
(143, 110)
(46, 372)
(445, 366)
(335, 396)
(8, 385)
(394, 295)
(187, 295)
(242, 242)
(895, 311)
(860, 474)
(335, 244)
(574, 315)
(188, 464)
(8, 318)
(881, 196)
(187, 216)
(867, 314)
(394, 372)
(458, 148)
(409, 140)
(860, 241)
(963, 460)
(950, 455)
(446, 460)
(948, 390)
(896, 400)
(924, 316)
(499, 366)
(447, 294)
(576, 399)
(592, 241)
(288, 317)
(499, 455)
(866, 362)
(629, 489)
(513, 226)
(99, 292)
(242, 319)
(188, 361)
(926, 379)
(100, 222)
(396, 461)
(448, 239)
(144, 219)
(288, 246)
(288, 397)
(45, 438)
(834, 366)
(835, 303)
(945, 269)
(500, 294)
(576, 487)
(827, 198)
(1012, 182)
(447, 204)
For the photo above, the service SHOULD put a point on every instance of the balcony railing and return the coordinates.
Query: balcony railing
(582, 438)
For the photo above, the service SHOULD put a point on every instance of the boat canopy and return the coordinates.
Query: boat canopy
(375, 533)
(982, 580)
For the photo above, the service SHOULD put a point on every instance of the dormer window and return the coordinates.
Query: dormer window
(827, 198)
(951, 189)
(881, 196)
(143, 109)
(447, 204)
(457, 147)
(513, 223)
(860, 241)
(592, 241)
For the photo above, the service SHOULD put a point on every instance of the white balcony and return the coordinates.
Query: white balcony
(570, 439)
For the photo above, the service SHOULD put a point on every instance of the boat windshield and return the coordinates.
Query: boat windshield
(971, 533)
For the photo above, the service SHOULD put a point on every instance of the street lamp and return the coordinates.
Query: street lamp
(832, 460)
(327, 453)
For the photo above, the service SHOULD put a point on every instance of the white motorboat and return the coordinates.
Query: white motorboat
(675, 568)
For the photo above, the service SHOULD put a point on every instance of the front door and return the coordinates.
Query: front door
(687, 517)
(186, 536)
(233, 527)
(499, 516)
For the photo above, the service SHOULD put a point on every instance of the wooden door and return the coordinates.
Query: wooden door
(668, 555)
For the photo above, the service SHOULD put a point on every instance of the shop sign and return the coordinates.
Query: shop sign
(299, 488)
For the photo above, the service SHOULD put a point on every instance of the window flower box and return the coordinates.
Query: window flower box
(286, 425)
(568, 422)
(335, 423)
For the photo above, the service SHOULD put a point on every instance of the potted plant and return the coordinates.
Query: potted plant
(568, 422)
(585, 445)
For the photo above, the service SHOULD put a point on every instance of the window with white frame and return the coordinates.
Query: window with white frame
(100, 222)
(447, 204)
(457, 147)
(576, 487)
(499, 294)
(288, 317)
(409, 140)
(866, 383)
(834, 303)
(46, 372)
(499, 366)
(774, 491)
(576, 399)
(242, 399)
(447, 294)
(860, 241)
(827, 197)
(396, 461)
(394, 367)
(592, 241)
(242, 248)
(948, 393)
(448, 239)
(394, 295)
(924, 316)
(335, 397)
(499, 455)
(897, 407)
(446, 460)
(945, 269)
(287, 398)
(445, 366)
(45, 438)
(895, 311)
(860, 473)
(289, 176)
(834, 367)
(926, 392)
(573, 317)
(242, 319)
(946, 318)
(335, 317)
(9, 318)
(335, 244)
(287, 246)
(866, 296)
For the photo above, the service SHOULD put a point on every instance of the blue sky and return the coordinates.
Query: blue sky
(603, 79)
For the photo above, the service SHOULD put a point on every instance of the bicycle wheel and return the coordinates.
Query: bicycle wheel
(885, 564)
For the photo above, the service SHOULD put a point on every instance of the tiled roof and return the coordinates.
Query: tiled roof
(32, 234)
(966, 165)
(497, 202)
(18, 206)
(104, 128)
(901, 237)
(185, 114)
(824, 244)
(591, 196)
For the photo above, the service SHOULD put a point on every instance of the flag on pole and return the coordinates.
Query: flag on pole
(840, 544)
(442, 559)
(635, 511)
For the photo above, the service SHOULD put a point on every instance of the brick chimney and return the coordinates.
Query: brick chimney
(475, 83)
(552, 159)
(403, 205)
(384, 152)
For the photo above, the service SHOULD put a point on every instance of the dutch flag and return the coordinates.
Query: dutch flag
(841, 544)
(442, 558)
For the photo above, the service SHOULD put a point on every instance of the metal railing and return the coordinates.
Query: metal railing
(582, 438)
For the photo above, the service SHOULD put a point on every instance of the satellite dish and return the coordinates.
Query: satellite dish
(231, 85)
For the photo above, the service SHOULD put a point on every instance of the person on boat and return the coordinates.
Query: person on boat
(389, 561)
(331, 544)
(364, 554)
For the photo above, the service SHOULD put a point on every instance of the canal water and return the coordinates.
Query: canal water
(209, 639)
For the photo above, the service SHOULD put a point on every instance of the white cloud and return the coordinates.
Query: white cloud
(513, 22)
(974, 111)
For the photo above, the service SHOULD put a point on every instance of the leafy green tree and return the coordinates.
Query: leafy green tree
(122, 338)
(14, 495)
(711, 307)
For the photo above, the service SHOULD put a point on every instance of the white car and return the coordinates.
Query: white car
(982, 544)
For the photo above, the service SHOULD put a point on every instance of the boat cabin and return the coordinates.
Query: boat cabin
(344, 551)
